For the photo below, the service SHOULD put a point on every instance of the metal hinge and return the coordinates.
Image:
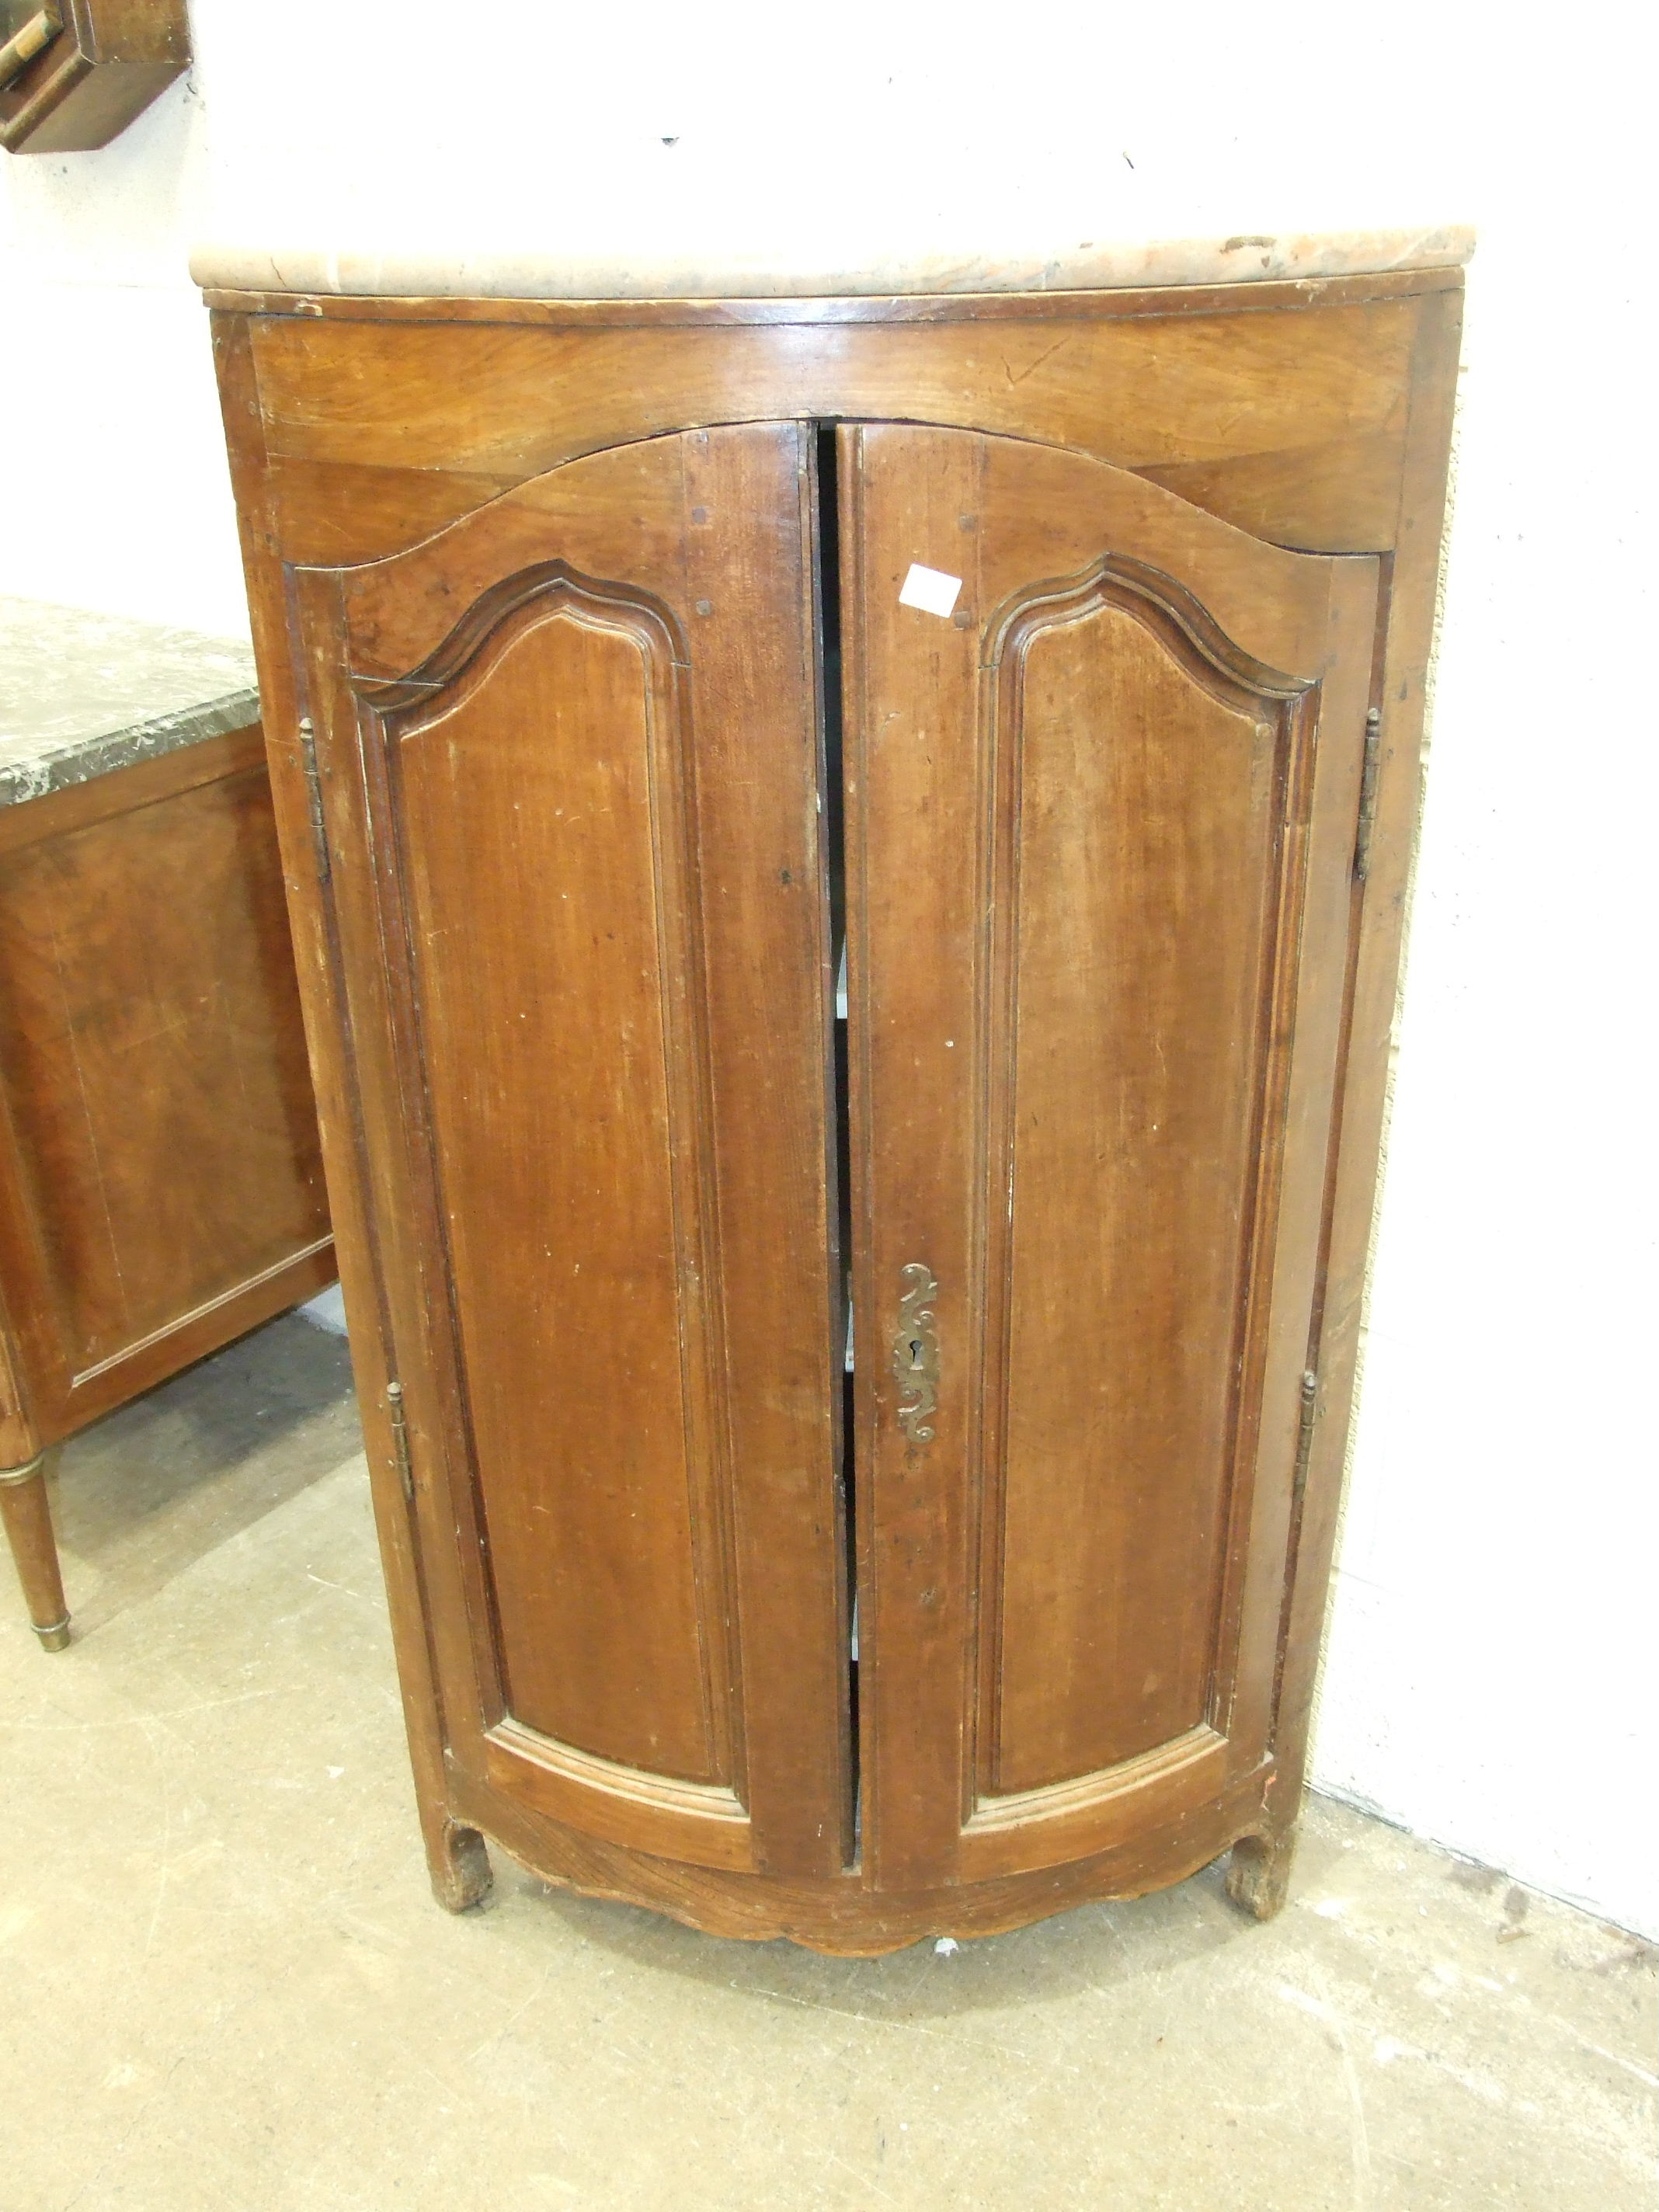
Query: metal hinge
(314, 795)
(394, 1406)
(1362, 844)
(1305, 1435)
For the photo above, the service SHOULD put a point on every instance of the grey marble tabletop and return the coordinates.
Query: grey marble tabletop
(82, 694)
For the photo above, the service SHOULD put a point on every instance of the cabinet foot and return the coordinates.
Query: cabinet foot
(27, 1518)
(459, 1865)
(1259, 1876)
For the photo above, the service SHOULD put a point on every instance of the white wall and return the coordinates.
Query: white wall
(115, 492)
(1488, 1680)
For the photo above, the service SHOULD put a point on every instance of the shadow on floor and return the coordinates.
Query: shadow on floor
(1091, 1948)
(154, 1486)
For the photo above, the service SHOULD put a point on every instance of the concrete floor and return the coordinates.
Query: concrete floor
(223, 1984)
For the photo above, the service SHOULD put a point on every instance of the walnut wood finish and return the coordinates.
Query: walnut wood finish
(1102, 1121)
(1289, 424)
(102, 68)
(160, 1180)
(27, 1513)
(596, 948)
(1134, 978)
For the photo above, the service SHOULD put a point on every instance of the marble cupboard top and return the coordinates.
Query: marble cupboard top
(82, 694)
(412, 272)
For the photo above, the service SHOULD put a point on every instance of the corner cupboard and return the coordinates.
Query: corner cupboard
(848, 858)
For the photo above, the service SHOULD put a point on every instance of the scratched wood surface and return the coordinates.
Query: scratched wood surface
(160, 1178)
(439, 434)
(1289, 425)
(590, 810)
(162, 1153)
(103, 64)
(1084, 1116)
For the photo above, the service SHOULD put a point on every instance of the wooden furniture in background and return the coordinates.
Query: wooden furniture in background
(75, 73)
(161, 1184)
(604, 709)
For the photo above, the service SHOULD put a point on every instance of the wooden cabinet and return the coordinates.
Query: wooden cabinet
(1061, 661)
(75, 73)
(160, 1181)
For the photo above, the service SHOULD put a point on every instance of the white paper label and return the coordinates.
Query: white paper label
(930, 589)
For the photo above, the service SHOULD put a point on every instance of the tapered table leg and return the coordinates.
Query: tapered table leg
(28, 1516)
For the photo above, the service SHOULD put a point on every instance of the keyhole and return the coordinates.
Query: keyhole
(916, 1352)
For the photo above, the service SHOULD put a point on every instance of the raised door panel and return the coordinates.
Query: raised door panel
(569, 764)
(1134, 902)
(1101, 817)
(565, 1077)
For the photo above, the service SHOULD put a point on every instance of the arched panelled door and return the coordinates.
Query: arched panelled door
(1102, 795)
(1098, 768)
(589, 980)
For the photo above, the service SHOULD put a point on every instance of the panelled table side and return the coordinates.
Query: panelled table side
(594, 703)
(161, 1177)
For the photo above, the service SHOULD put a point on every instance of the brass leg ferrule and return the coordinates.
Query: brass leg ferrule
(29, 1526)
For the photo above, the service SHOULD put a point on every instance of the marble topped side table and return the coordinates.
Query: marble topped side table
(161, 1184)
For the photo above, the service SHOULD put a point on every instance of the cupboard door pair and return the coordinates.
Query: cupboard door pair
(1100, 813)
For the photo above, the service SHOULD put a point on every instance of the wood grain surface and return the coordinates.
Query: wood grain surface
(1089, 1056)
(1119, 1019)
(1291, 425)
(591, 812)
(106, 61)
(162, 1187)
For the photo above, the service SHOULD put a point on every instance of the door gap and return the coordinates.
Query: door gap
(828, 567)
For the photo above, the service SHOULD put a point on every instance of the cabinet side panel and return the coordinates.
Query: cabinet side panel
(153, 1062)
(533, 831)
(1146, 812)
(323, 1003)
(1383, 900)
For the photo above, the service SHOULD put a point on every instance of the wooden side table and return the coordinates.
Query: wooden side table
(160, 1184)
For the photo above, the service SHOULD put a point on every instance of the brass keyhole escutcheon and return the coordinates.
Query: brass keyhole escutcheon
(916, 1353)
